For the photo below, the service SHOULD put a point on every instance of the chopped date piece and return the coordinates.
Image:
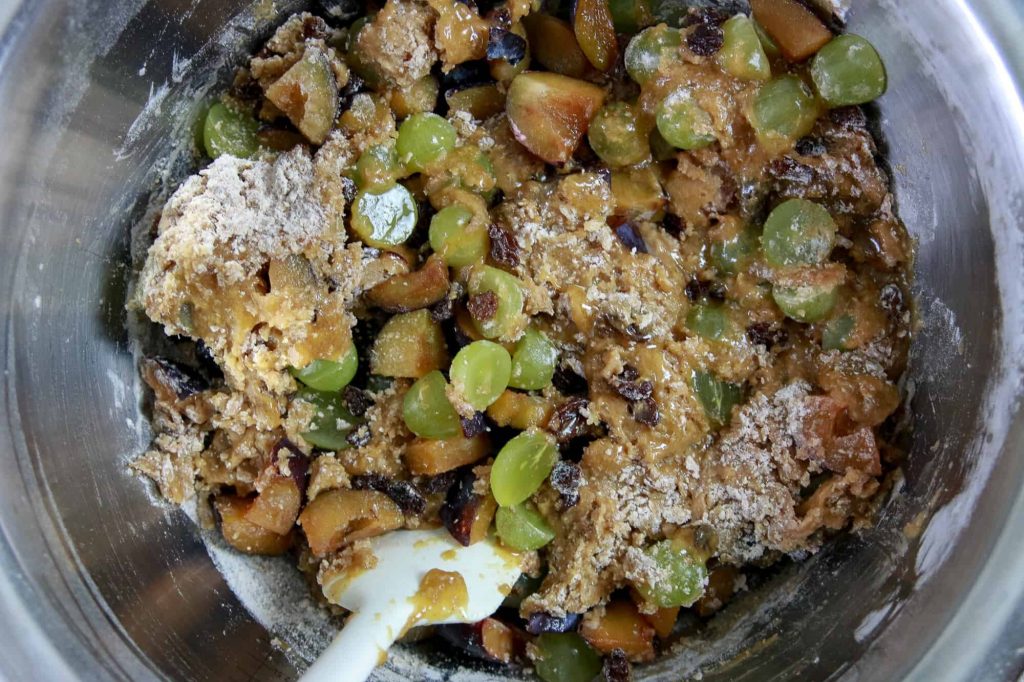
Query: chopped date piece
(630, 237)
(501, 18)
(356, 400)
(568, 382)
(359, 437)
(474, 425)
(504, 247)
(566, 478)
(504, 44)
(169, 380)
(443, 310)
(849, 117)
(440, 483)
(810, 146)
(767, 335)
(403, 493)
(645, 411)
(483, 306)
(569, 421)
(627, 385)
(706, 39)
(298, 462)
(673, 224)
(465, 514)
(539, 623)
(616, 667)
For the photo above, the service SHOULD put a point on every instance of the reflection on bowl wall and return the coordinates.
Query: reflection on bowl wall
(98, 582)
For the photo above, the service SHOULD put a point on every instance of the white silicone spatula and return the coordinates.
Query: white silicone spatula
(383, 599)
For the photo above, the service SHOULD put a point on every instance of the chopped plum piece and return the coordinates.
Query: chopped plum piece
(170, 382)
(489, 639)
(403, 493)
(244, 535)
(413, 290)
(338, 517)
(466, 514)
(545, 622)
(308, 95)
(550, 113)
(430, 456)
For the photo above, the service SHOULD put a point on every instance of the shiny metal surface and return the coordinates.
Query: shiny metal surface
(99, 583)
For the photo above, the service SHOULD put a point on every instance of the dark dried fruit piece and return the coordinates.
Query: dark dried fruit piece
(891, 300)
(440, 483)
(467, 74)
(473, 426)
(706, 39)
(645, 411)
(465, 514)
(789, 170)
(359, 437)
(504, 247)
(715, 16)
(852, 118)
(298, 462)
(566, 478)
(766, 334)
(482, 306)
(569, 421)
(356, 400)
(550, 113)
(631, 238)
(616, 667)
(443, 310)
(810, 146)
(403, 493)
(568, 382)
(627, 385)
(170, 381)
(673, 224)
(504, 44)
(489, 639)
(697, 289)
(541, 622)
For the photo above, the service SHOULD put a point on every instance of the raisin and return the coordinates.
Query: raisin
(356, 400)
(442, 310)
(460, 505)
(474, 426)
(788, 169)
(616, 667)
(483, 306)
(541, 622)
(504, 247)
(568, 382)
(315, 27)
(852, 118)
(403, 493)
(569, 421)
(467, 74)
(566, 478)
(706, 15)
(767, 335)
(628, 385)
(440, 483)
(504, 44)
(706, 39)
(645, 411)
(673, 224)
(298, 462)
(810, 146)
(891, 300)
(630, 237)
(697, 289)
(359, 437)
(169, 380)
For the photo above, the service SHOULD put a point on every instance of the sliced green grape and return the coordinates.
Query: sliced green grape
(384, 219)
(426, 409)
(708, 321)
(617, 137)
(332, 422)
(456, 238)
(522, 527)
(717, 397)
(523, 588)
(329, 375)
(378, 169)
(521, 466)
(682, 578)
(771, 48)
(848, 71)
(837, 333)
(742, 54)
(533, 361)
(629, 16)
(729, 254)
(565, 657)
(661, 150)
(809, 302)
(229, 130)
(480, 373)
(357, 60)
(647, 49)
(683, 123)
(798, 232)
(784, 110)
(508, 318)
(423, 139)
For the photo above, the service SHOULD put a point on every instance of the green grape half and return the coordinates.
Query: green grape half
(708, 321)
(457, 238)
(809, 302)
(426, 409)
(533, 361)
(378, 169)
(331, 423)
(682, 577)
(783, 111)
(480, 373)
(798, 232)
(647, 50)
(617, 136)
(329, 375)
(683, 123)
(742, 54)
(384, 219)
(521, 466)
(229, 130)
(509, 317)
(522, 527)
(729, 253)
(848, 71)
(423, 139)
(565, 657)
(717, 397)
(837, 333)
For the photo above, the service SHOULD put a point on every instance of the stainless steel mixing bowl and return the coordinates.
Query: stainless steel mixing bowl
(98, 582)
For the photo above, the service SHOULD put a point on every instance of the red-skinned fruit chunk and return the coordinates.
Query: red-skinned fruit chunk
(553, 45)
(338, 517)
(620, 627)
(244, 535)
(663, 620)
(489, 639)
(595, 32)
(466, 514)
(550, 114)
(432, 456)
(412, 290)
(308, 94)
(797, 31)
(277, 505)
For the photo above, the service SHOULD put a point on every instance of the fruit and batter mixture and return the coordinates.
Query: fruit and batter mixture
(620, 285)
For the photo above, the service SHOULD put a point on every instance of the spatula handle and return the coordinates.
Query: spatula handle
(358, 649)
